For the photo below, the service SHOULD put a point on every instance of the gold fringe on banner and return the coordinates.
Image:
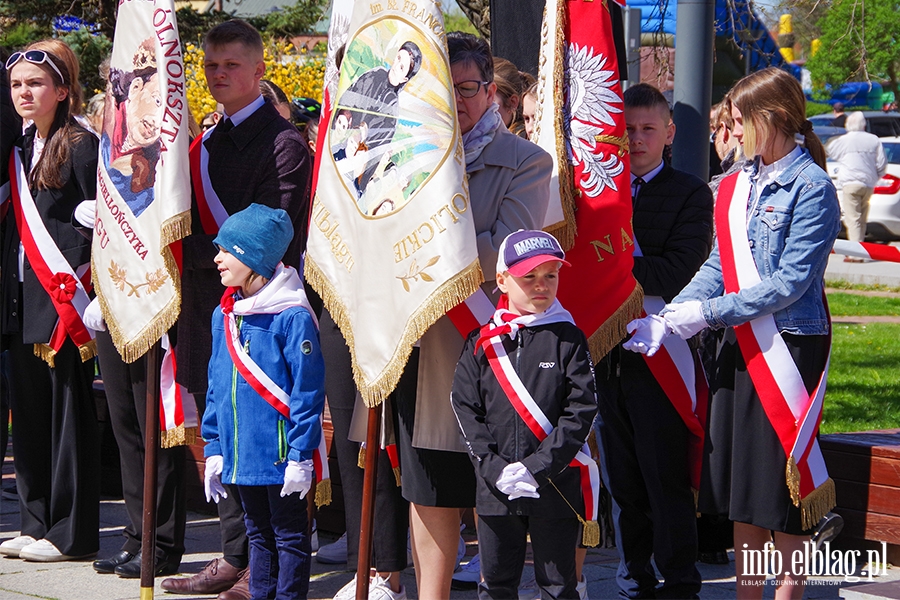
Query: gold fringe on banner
(323, 493)
(361, 457)
(612, 331)
(817, 504)
(175, 228)
(179, 436)
(48, 354)
(133, 349)
(397, 476)
(448, 295)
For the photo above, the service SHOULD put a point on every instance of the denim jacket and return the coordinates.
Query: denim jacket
(791, 228)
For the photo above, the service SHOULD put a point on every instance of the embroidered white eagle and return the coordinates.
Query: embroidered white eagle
(591, 100)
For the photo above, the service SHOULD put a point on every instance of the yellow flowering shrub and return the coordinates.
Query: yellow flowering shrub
(299, 74)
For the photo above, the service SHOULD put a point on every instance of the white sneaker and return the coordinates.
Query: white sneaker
(581, 588)
(380, 590)
(333, 554)
(348, 592)
(468, 576)
(528, 589)
(14, 546)
(44, 551)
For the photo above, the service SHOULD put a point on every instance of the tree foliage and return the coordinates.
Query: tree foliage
(805, 17)
(859, 43)
(479, 14)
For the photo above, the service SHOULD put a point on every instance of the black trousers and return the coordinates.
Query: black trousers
(502, 542)
(126, 396)
(56, 444)
(391, 510)
(644, 464)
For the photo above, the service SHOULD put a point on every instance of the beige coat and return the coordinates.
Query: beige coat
(509, 189)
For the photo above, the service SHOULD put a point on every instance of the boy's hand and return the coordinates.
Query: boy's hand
(686, 318)
(649, 334)
(298, 477)
(212, 479)
(516, 481)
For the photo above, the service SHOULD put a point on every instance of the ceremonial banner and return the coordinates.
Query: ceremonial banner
(144, 196)
(581, 123)
(392, 242)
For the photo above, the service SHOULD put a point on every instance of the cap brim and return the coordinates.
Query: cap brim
(520, 269)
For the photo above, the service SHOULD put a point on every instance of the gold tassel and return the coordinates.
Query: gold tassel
(792, 475)
(817, 504)
(175, 228)
(361, 458)
(397, 475)
(612, 331)
(323, 493)
(88, 351)
(590, 535)
(179, 436)
(448, 295)
(46, 354)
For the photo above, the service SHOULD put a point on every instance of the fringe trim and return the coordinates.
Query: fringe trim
(133, 349)
(397, 476)
(175, 228)
(361, 457)
(792, 476)
(48, 354)
(612, 331)
(590, 534)
(817, 504)
(179, 436)
(566, 230)
(323, 493)
(448, 295)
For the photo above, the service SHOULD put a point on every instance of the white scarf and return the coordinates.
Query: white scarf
(282, 291)
(481, 134)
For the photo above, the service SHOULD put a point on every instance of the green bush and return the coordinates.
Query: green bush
(91, 49)
(816, 108)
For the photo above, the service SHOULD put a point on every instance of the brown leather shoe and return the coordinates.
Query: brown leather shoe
(217, 576)
(240, 590)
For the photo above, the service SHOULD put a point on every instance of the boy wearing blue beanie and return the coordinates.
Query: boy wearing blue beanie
(265, 398)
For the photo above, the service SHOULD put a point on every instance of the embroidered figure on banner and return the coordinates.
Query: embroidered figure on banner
(385, 127)
(592, 99)
(129, 143)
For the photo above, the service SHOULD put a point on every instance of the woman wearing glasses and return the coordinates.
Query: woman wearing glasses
(44, 259)
(509, 188)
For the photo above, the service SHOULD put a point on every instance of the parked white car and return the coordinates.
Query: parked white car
(884, 207)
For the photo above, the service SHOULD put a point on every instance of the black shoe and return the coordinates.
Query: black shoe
(108, 565)
(132, 569)
(718, 557)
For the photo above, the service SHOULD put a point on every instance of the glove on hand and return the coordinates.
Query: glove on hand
(93, 316)
(686, 318)
(212, 479)
(86, 213)
(649, 334)
(516, 481)
(298, 477)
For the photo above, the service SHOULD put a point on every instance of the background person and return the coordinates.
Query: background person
(860, 164)
(55, 434)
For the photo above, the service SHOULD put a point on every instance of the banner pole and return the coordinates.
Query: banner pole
(373, 448)
(151, 449)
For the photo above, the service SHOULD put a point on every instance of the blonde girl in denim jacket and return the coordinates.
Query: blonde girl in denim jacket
(776, 222)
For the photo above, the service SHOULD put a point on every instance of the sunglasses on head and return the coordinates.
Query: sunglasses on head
(36, 57)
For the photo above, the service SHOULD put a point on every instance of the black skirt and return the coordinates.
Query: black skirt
(744, 463)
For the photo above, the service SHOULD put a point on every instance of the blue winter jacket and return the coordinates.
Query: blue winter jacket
(792, 228)
(254, 439)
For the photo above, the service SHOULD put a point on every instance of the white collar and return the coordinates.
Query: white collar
(649, 175)
(241, 115)
(771, 172)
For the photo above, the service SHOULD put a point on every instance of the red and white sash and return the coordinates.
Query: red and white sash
(212, 213)
(276, 397)
(471, 313)
(537, 422)
(66, 286)
(678, 371)
(867, 250)
(793, 412)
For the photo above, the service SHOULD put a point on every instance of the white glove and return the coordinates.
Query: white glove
(649, 334)
(686, 318)
(86, 213)
(517, 482)
(212, 480)
(93, 316)
(298, 477)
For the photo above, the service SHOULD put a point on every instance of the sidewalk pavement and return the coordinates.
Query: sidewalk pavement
(20, 580)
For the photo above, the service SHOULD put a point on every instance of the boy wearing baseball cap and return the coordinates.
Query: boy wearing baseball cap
(524, 397)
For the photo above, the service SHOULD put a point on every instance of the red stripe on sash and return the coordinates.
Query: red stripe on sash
(207, 221)
(255, 383)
